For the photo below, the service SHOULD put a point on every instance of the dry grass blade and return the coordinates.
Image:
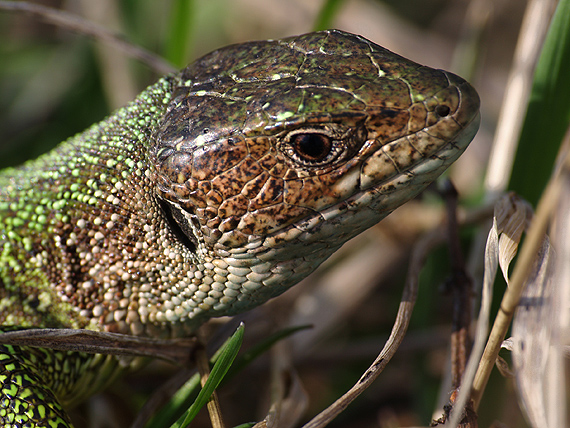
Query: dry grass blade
(541, 321)
(513, 218)
(77, 24)
(532, 329)
(511, 298)
(213, 405)
(491, 256)
(532, 33)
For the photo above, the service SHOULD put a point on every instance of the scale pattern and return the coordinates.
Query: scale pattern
(217, 188)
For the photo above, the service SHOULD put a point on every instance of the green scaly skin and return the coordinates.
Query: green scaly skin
(217, 188)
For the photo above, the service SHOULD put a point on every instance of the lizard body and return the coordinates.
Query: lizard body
(218, 188)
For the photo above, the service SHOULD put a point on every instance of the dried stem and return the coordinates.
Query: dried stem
(461, 288)
(214, 409)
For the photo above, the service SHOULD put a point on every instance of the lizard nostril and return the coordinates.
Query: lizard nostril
(442, 110)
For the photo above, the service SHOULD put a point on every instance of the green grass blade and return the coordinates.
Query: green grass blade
(177, 404)
(251, 354)
(221, 367)
(327, 14)
(548, 113)
(183, 398)
(179, 36)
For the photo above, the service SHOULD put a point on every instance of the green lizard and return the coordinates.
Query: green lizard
(218, 188)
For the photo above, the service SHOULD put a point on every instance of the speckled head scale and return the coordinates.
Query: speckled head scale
(357, 123)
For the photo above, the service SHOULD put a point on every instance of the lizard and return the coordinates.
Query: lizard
(217, 188)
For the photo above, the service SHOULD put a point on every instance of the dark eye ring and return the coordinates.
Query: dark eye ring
(312, 147)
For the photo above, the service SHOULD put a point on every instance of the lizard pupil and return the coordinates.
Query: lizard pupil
(312, 147)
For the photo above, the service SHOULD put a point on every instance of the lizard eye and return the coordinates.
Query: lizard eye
(312, 147)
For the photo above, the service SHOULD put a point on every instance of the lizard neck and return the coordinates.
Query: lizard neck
(88, 244)
(76, 221)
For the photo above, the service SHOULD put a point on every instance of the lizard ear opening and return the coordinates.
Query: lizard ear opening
(179, 224)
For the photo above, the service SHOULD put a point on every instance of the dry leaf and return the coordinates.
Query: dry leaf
(540, 324)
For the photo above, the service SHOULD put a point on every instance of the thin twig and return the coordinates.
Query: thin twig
(82, 26)
(461, 289)
(97, 342)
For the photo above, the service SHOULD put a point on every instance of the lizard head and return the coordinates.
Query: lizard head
(276, 153)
